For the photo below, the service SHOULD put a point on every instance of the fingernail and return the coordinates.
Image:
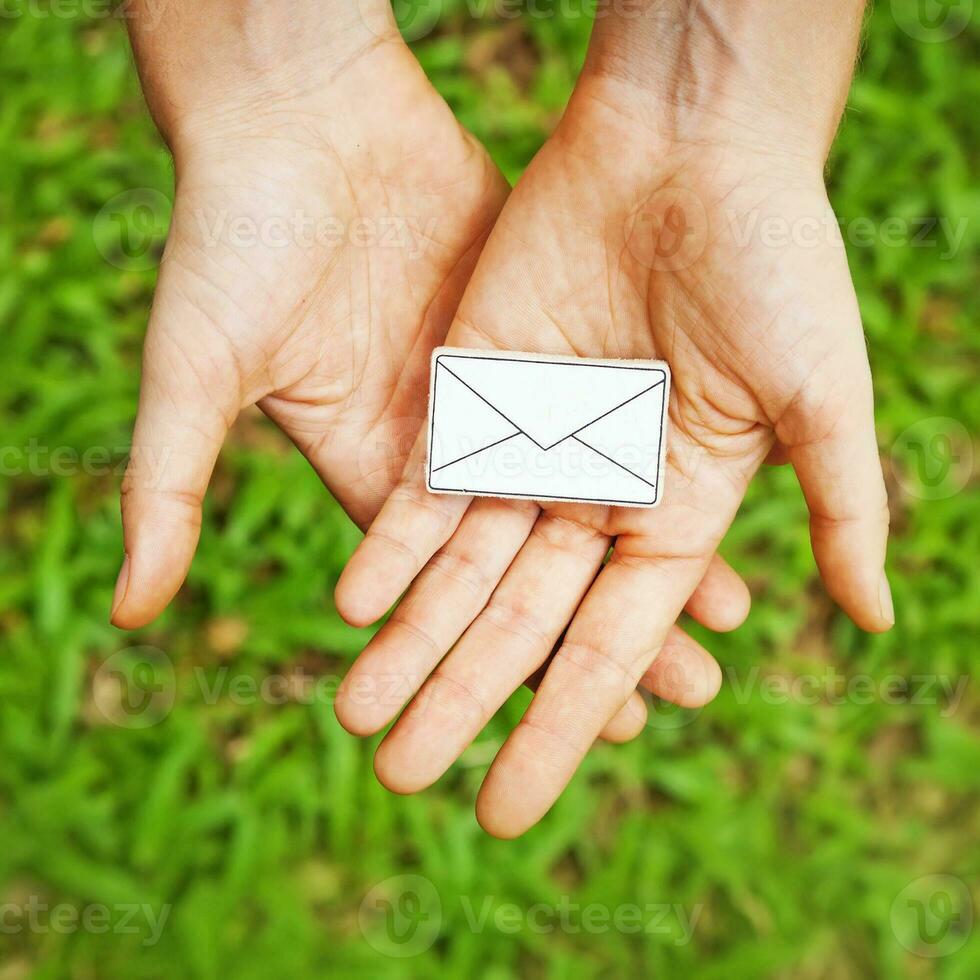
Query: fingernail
(885, 600)
(122, 583)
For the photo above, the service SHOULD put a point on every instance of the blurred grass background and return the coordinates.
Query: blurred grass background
(790, 832)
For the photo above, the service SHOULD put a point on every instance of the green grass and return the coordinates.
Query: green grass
(787, 830)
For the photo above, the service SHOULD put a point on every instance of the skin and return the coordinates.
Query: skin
(625, 239)
(330, 334)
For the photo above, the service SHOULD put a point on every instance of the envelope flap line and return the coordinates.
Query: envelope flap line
(625, 469)
(615, 408)
(482, 449)
(491, 404)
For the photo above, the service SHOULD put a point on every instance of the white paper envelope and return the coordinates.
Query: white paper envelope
(547, 428)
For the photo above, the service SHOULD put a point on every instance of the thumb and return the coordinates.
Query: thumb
(188, 400)
(830, 440)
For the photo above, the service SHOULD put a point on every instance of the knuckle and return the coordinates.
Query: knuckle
(462, 569)
(821, 403)
(600, 665)
(844, 513)
(566, 534)
(396, 544)
(560, 744)
(409, 493)
(186, 502)
(518, 618)
(455, 698)
(415, 632)
(659, 555)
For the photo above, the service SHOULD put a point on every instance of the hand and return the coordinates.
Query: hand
(619, 244)
(320, 243)
(328, 213)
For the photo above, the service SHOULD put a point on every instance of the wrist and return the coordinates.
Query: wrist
(204, 69)
(769, 77)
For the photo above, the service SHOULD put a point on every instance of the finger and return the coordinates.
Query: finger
(722, 600)
(624, 727)
(683, 672)
(506, 644)
(412, 525)
(628, 722)
(617, 631)
(188, 400)
(609, 647)
(833, 449)
(441, 603)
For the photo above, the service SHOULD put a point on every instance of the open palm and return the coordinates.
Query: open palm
(315, 258)
(615, 246)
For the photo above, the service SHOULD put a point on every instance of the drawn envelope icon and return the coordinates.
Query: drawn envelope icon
(537, 427)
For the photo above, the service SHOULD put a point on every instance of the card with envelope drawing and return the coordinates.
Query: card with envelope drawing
(537, 427)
